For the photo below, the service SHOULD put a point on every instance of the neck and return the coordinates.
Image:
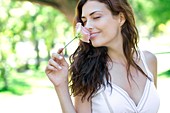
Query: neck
(115, 50)
(117, 55)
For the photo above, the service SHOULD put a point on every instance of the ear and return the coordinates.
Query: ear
(122, 18)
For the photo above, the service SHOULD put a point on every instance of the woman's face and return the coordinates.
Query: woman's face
(103, 26)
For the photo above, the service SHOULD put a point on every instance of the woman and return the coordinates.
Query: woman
(109, 74)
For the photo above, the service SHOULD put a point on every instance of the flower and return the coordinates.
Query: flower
(82, 33)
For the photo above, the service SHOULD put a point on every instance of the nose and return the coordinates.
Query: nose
(89, 25)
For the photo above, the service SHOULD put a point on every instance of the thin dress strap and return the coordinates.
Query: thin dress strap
(107, 102)
(145, 65)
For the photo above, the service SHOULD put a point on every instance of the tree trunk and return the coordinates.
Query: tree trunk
(3, 71)
(38, 54)
(4, 77)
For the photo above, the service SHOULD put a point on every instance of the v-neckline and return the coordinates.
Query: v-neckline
(129, 99)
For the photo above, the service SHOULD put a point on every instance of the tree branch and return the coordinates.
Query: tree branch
(67, 7)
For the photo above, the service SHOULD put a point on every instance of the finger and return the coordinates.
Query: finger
(54, 64)
(56, 56)
(63, 60)
(60, 56)
(49, 69)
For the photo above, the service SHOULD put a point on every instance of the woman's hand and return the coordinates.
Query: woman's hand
(57, 69)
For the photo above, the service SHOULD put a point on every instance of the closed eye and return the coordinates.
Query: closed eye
(96, 17)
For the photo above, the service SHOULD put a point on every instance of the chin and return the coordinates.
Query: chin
(96, 44)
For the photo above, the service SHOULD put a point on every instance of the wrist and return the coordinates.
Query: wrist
(62, 86)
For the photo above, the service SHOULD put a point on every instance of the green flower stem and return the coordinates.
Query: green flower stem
(77, 36)
(69, 42)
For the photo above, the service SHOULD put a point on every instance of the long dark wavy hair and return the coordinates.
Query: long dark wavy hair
(89, 69)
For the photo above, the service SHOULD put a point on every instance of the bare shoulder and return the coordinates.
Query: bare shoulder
(151, 61)
(150, 58)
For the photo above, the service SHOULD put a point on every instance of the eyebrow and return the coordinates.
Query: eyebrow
(91, 14)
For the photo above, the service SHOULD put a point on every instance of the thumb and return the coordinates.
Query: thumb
(63, 60)
(60, 51)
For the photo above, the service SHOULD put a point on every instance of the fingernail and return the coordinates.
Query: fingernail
(60, 57)
(59, 67)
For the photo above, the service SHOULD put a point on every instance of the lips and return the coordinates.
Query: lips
(93, 35)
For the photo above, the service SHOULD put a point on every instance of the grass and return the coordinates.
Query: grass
(23, 82)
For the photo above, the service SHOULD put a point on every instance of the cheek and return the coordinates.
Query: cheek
(113, 28)
(111, 31)
(110, 26)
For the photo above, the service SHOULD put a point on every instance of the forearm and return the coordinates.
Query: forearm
(65, 99)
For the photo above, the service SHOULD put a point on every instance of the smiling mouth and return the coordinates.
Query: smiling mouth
(93, 35)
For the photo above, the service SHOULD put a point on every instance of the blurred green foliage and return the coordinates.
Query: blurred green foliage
(28, 32)
(165, 74)
(151, 14)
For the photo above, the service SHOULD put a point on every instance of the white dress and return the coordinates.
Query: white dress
(120, 102)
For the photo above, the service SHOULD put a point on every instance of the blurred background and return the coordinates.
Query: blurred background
(31, 29)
